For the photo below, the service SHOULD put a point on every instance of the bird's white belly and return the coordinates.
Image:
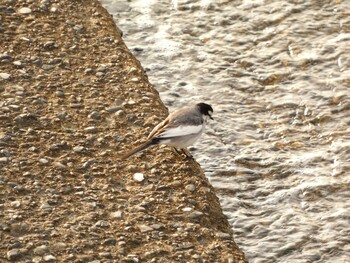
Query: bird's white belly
(183, 141)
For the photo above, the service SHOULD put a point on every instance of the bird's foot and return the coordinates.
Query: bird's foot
(185, 152)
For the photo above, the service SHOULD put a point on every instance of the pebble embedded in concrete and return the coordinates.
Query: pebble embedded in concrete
(117, 215)
(25, 11)
(4, 75)
(41, 250)
(79, 149)
(94, 115)
(196, 214)
(48, 258)
(17, 63)
(139, 177)
(4, 159)
(13, 254)
(224, 236)
(145, 228)
(190, 187)
(43, 161)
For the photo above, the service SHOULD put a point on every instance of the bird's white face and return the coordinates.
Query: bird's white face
(207, 117)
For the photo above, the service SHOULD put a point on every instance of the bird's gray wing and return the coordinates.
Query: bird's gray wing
(182, 122)
(158, 129)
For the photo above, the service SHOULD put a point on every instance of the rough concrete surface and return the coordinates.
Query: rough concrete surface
(72, 100)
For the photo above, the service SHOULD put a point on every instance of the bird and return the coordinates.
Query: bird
(180, 129)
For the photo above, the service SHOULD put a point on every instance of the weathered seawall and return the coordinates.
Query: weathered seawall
(72, 100)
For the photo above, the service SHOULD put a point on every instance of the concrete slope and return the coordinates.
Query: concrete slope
(73, 99)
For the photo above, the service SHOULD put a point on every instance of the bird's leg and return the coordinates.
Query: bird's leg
(177, 151)
(185, 152)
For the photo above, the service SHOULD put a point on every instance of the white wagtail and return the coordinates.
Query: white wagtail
(180, 129)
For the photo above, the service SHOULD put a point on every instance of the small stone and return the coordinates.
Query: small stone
(59, 246)
(91, 129)
(15, 107)
(4, 75)
(45, 205)
(157, 226)
(187, 209)
(118, 102)
(5, 152)
(102, 223)
(117, 215)
(16, 204)
(88, 163)
(13, 254)
(121, 243)
(102, 68)
(41, 250)
(43, 161)
(67, 189)
(144, 228)
(24, 10)
(5, 137)
(132, 258)
(60, 94)
(112, 109)
(195, 214)
(59, 165)
(5, 56)
(49, 44)
(79, 149)
(133, 69)
(17, 63)
(79, 29)
(12, 184)
(185, 245)
(139, 177)
(164, 188)
(4, 159)
(88, 71)
(32, 149)
(134, 79)
(25, 118)
(73, 48)
(105, 254)
(190, 187)
(48, 258)
(76, 106)
(131, 102)
(47, 67)
(110, 242)
(120, 113)
(94, 115)
(224, 236)
(27, 174)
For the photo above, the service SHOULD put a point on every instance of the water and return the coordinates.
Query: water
(278, 76)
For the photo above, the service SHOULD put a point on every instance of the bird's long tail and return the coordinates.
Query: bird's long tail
(138, 149)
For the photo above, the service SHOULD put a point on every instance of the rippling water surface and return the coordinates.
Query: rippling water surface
(278, 76)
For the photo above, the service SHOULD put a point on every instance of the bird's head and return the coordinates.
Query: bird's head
(205, 109)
